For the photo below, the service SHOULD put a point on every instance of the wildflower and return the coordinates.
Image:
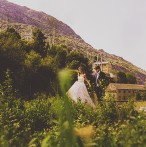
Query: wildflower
(16, 125)
(85, 132)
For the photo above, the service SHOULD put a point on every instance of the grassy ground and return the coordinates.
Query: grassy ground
(139, 104)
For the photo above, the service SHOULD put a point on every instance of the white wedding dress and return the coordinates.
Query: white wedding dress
(78, 91)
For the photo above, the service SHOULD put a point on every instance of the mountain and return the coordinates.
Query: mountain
(24, 20)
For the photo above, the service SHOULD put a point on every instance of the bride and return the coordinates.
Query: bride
(78, 90)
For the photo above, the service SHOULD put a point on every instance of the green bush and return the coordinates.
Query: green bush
(42, 122)
(56, 121)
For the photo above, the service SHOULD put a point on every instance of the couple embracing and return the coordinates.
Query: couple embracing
(98, 81)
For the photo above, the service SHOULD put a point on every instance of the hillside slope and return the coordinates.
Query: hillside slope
(24, 20)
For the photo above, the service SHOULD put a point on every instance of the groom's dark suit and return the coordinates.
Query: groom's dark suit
(99, 82)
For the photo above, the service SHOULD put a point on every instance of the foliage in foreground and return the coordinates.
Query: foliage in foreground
(45, 122)
(35, 63)
(57, 121)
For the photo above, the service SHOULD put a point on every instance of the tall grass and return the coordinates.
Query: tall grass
(59, 122)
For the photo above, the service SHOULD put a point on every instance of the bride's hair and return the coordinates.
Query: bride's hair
(82, 69)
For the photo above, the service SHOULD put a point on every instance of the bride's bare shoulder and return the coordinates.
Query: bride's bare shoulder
(84, 75)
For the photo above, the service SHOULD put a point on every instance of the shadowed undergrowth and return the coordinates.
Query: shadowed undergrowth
(57, 121)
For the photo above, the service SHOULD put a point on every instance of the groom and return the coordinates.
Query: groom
(99, 82)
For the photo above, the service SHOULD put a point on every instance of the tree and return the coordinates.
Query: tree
(121, 77)
(74, 64)
(13, 32)
(7, 91)
(61, 56)
(39, 43)
(131, 79)
(32, 61)
(11, 50)
(75, 55)
(52, 51)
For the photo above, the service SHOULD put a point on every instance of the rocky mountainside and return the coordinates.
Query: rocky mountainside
(24, 20)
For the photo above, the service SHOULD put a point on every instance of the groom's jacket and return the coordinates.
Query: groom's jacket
(99, 81)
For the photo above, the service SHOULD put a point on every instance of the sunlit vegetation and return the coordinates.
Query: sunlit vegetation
(34, 109)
